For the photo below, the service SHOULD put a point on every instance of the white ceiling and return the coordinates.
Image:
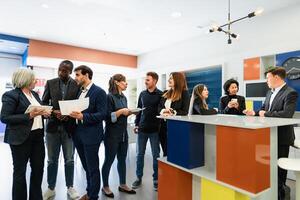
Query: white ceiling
(126, 26)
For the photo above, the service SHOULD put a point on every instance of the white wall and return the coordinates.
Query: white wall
(8, 64)
(102, 73)
(265, 35)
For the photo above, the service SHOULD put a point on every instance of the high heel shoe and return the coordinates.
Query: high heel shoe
(127, 191)
(110, 195)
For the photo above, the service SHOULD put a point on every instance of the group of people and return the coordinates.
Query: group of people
(84, 130)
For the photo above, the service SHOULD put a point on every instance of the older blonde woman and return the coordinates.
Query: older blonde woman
(25, 134)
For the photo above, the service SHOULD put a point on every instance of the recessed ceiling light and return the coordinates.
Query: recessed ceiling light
(148, 28)
(176, 14)
(45, 5)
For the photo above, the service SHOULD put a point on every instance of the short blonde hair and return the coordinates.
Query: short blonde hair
(22, 78)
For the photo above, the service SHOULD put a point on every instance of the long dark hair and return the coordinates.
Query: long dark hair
(179, 86)
(112, 86)
(197, 92)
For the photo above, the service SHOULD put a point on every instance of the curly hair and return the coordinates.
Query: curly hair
(228, 83)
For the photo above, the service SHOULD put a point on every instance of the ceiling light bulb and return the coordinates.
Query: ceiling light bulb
(213, 28)
(259, 11)
(45, 5)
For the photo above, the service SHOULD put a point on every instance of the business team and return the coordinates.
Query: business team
(84, 130)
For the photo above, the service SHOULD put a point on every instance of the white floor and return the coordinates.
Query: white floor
(146, 192)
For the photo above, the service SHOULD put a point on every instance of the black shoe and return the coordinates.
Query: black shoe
(137, 183)
(127, 191)
(155, 185)
(110, 195)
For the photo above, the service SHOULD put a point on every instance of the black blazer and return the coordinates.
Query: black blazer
(18, 124)
(52, 95)
(233, 111)
(200, 110)
(283, 105)
(181, 106)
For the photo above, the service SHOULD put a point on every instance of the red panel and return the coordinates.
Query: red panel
(252, 69)
(243, 157)
(173, 183)
(39, 48)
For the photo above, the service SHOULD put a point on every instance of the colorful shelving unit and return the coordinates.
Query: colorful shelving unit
(240, 158)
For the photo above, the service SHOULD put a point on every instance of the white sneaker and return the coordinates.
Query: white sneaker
(73, 194)
(48, 194)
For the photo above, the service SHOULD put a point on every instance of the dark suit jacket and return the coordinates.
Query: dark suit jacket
(232, 111)
(18, 124)
(181, 106)
(198, 108)
(52, 95)
(283, 105)
(90, 131)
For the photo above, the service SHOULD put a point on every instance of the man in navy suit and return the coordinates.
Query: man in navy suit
(89, 131)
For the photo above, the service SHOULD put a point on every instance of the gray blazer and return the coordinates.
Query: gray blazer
(52, 95)
(283, 105)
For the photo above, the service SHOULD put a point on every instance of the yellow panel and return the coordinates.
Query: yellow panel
(240, 196)
(213, 191)
(249, 105)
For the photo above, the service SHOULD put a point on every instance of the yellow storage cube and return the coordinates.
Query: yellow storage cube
(213, 191)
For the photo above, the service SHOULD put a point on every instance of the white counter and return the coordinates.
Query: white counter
(249, 122)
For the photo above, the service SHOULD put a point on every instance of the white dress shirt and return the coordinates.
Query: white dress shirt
(167, 106)
(274, 93)
(82, 95)
(85, 91)
(38, 120)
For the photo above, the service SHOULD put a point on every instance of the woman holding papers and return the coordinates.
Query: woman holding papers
(174, 101)
(198, 103)
(232, 103)
(25, 134)
(116, 137)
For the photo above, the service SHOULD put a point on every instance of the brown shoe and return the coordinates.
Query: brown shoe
(84, 197)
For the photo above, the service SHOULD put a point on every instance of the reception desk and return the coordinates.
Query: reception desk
(220, 157)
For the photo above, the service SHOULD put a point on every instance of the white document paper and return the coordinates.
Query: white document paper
(136, 110)
(32, 107)
(68, 106)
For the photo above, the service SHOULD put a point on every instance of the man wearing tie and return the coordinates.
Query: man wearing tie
(281, 101)
(89, 131)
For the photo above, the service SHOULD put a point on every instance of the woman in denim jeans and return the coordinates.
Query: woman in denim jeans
(116, 136)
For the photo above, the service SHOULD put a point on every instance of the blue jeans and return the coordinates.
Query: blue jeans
(114, 147)
(54, 141)
(141, 147)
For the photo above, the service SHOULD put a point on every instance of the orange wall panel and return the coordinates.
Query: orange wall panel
(53, 50)
(243, 157)
(173, 183)
(252, 69)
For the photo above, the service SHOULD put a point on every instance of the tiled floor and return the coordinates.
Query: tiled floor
(146, 192)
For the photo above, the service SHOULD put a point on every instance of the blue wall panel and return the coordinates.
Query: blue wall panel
(280, 58)
(212, 78)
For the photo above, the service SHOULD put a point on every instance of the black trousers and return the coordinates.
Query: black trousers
(163, 137)
(31, 150)
(283, 152)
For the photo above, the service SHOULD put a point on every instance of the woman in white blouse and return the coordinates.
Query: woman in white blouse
(25, 134)
(174, 101)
